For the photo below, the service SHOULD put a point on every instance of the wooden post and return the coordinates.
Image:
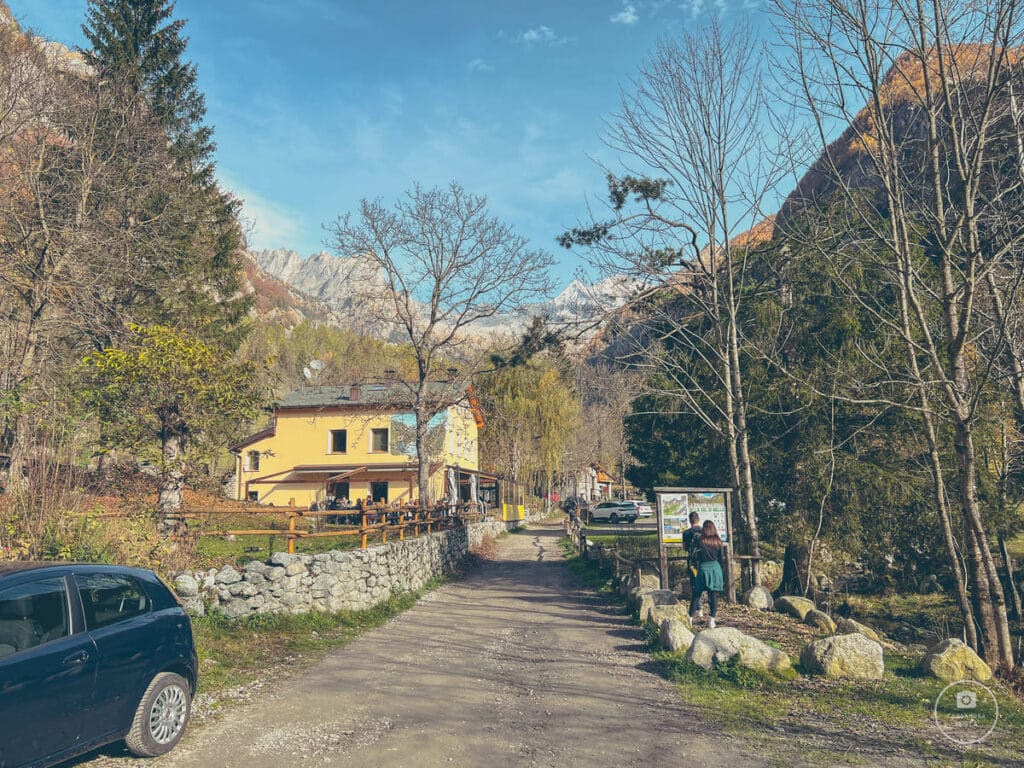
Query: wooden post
(291, 533)
(730, 582)
(662, 549)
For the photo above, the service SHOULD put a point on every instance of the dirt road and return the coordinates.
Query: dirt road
(511, 666)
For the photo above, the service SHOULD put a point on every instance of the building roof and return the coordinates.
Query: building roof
(398, 394)
(266, 432)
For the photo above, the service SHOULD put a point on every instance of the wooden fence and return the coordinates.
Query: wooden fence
(609, 557)
(374, 523)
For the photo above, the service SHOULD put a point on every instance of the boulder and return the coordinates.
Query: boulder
(820, 620)
(759, 598)
(675, 635)
(195, 605)
(953, 660)
(797, 607)
(649, 581)
(186, 585)
(851, 656)
(715, 646)
(228, 575)
(849, 627)
(656, 597)
(679, 611)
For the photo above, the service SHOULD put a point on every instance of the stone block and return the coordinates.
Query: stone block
(652, 598)
(820, 620)
(849, 627)
(186, 585)
(228, 575)
(675, 635)
(852, 656)
(716, 646)
(953, 660)
(797, 607)
(759, 598)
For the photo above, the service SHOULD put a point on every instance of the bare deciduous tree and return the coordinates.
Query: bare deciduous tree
(930, 178)
(694, 135)
(441, 263)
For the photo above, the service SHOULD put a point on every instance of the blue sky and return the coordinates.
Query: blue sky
(319, 103)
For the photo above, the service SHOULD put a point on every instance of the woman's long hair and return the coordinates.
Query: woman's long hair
(709, 536)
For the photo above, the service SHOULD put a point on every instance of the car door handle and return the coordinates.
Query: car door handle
(79, 657)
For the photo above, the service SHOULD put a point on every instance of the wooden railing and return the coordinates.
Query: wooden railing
(608, 555)
(370, 522)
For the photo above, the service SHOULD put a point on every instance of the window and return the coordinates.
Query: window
(252, 461)
(379, 492)
(379, 440)
(109, 598)
(32, 614)
(339, 440)
(254, 495)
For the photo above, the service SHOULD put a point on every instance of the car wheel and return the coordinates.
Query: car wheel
(161, 717)
(613, 518)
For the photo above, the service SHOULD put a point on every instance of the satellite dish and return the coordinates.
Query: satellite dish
(307, 373)
(316, 365)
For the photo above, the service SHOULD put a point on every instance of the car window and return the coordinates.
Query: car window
(32, 614)
(108, 598)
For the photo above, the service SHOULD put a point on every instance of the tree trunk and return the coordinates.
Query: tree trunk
(1011, 583)
(422, 454)
(172, 484)
(989, 595)
(794, 570)
(945, 518)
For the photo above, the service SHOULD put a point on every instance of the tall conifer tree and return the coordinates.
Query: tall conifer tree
(195, 238)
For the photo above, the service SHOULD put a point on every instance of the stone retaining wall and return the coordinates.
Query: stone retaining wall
(332, 581)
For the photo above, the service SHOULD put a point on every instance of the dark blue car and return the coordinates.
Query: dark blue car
(90, 654)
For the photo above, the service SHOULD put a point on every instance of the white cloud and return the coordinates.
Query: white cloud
(479, 65)
(540, 35)
(267, 224)
(626, 16)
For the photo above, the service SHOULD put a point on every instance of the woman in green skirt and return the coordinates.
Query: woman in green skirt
(707, 554)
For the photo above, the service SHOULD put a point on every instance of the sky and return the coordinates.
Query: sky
(317, 104)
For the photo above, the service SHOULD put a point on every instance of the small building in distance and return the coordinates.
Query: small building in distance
(329, 444)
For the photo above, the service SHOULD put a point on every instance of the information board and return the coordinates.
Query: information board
(673, 517)
(675, 506)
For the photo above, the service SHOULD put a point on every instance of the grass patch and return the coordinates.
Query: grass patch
(588, 573)
(237, 652)
(1016, 547)
(837, 722)
(214, 551)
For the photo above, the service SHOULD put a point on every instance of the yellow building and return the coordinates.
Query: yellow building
(329, 444)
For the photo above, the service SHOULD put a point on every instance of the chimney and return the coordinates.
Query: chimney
(354, 392)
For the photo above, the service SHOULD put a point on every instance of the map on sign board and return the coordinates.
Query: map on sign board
(711, 506)
(674, 517)
(675, 509)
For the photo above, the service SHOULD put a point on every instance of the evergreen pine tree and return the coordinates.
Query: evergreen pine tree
(193, 266)
(138, 44)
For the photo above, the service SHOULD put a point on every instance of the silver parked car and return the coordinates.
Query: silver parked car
(613, 512)
(643, 509)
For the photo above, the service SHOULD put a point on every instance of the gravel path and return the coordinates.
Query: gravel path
(511, 666)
